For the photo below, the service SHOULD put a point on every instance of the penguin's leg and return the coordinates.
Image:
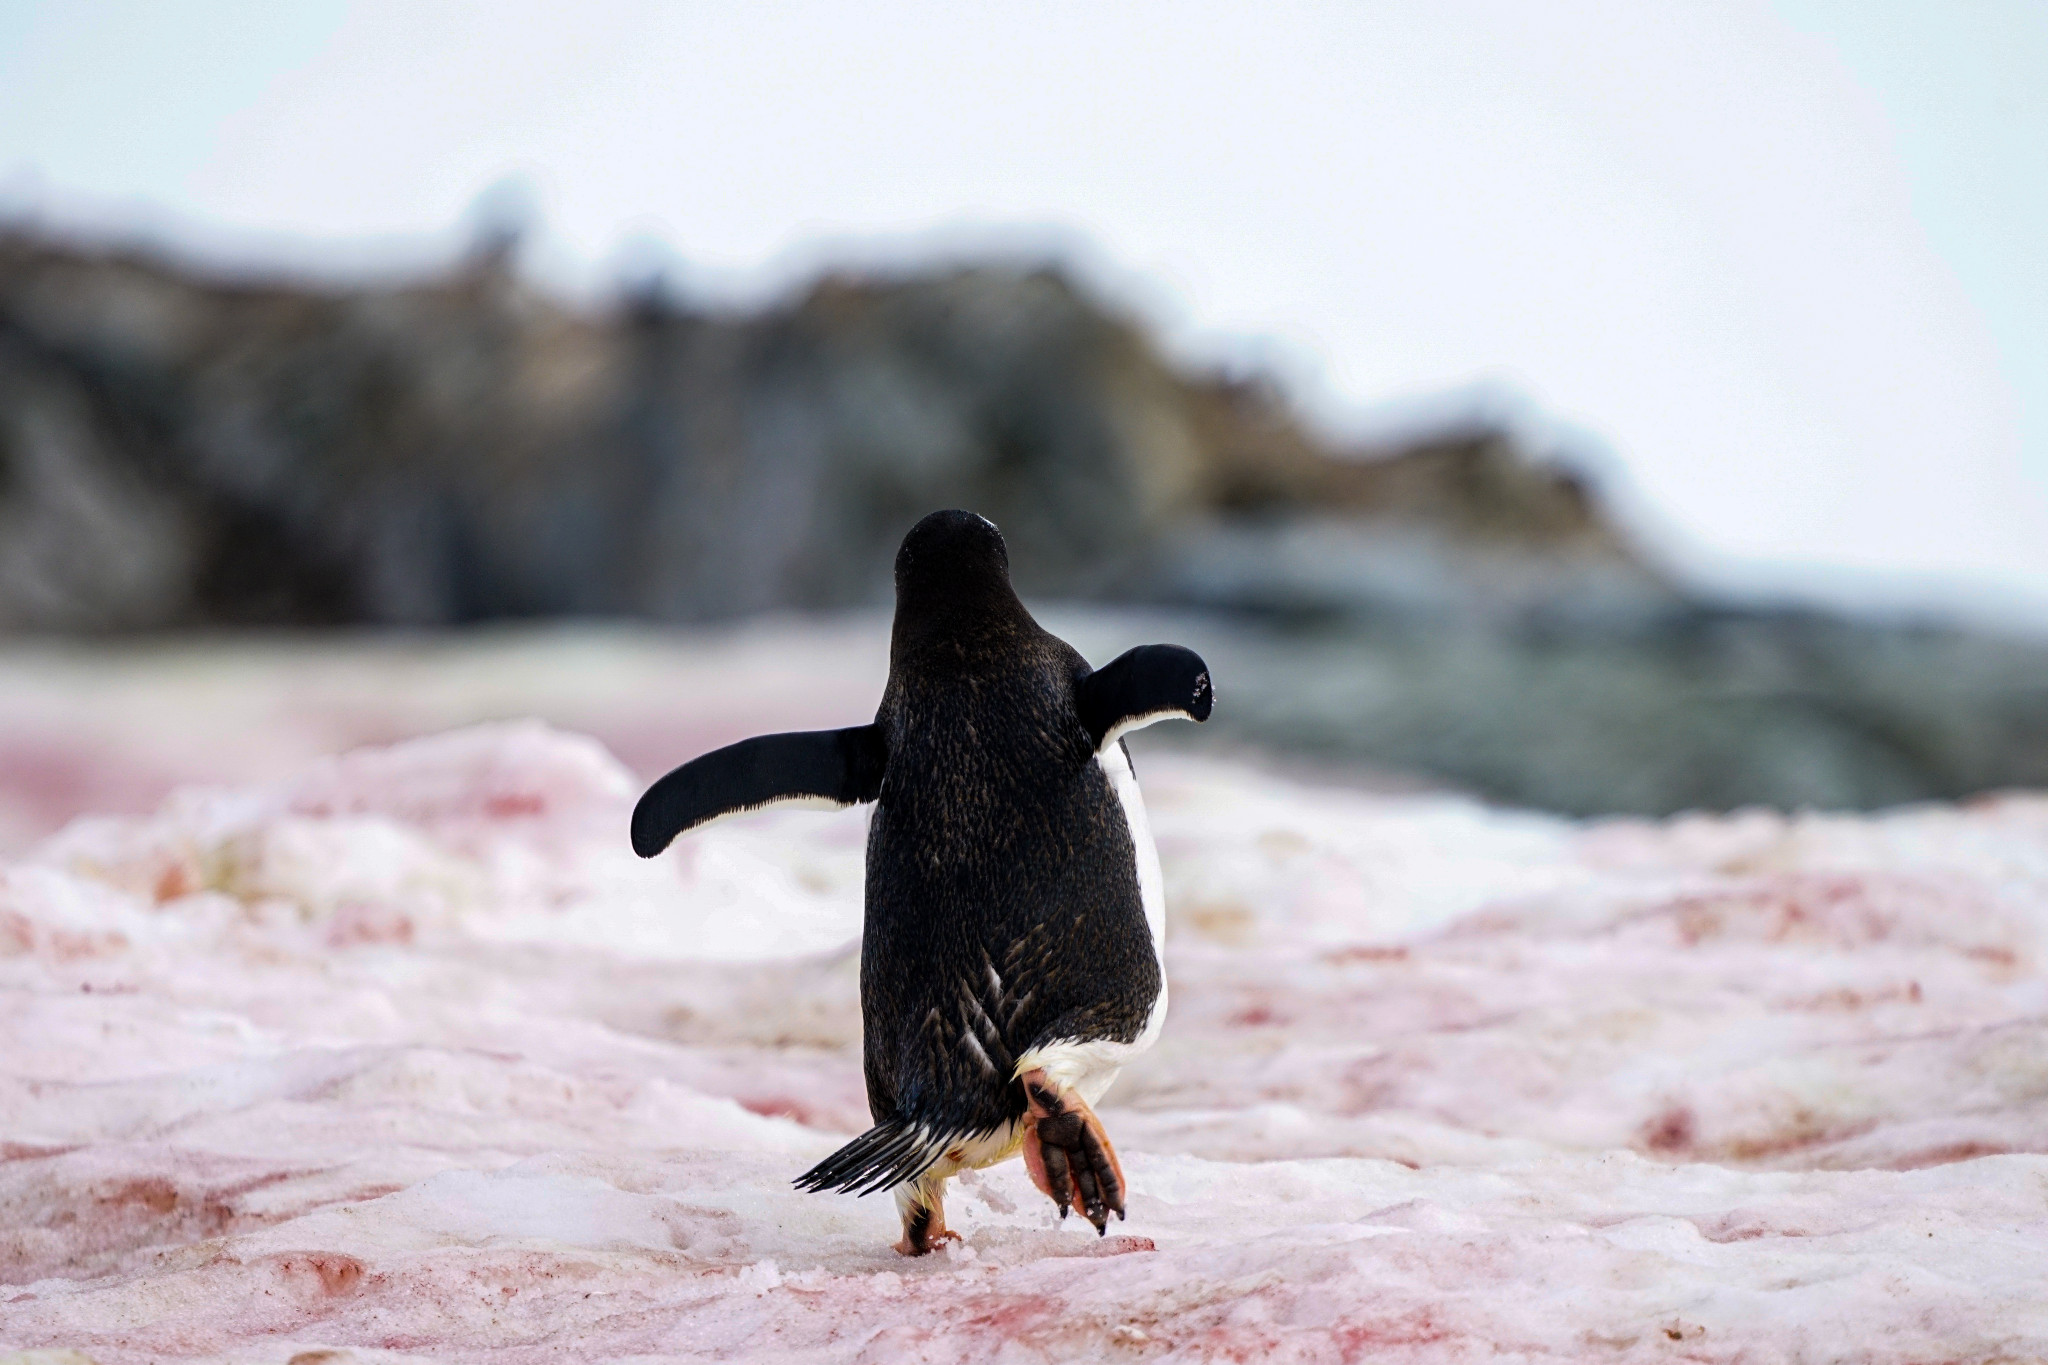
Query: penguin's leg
(1068, 1153)
(922, 1204)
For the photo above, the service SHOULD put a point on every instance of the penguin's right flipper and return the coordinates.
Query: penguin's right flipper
(823, 767)
(1142, 685)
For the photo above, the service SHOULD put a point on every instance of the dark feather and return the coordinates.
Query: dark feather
(888, 1154)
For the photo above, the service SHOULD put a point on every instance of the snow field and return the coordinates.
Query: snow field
(407, 1057)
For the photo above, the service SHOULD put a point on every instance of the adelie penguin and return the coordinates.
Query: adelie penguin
(1011, 960)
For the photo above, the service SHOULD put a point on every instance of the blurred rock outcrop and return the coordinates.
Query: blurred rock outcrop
(177, 450)
(184, 451)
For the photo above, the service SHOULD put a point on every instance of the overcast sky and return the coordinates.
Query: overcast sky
(1784, 264)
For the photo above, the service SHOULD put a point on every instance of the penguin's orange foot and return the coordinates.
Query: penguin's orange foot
(1068, 1153)
(924, 1229)
(928, 1244)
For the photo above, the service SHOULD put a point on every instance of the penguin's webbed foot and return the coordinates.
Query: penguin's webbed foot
(924, 1220)
(925, 1244)
(1068, 1153)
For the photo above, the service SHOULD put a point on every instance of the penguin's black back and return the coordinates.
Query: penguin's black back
(1003, 905)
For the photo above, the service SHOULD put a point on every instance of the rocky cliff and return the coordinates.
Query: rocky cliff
(181, 450)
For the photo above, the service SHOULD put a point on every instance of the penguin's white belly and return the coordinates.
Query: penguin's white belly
(1089, 1066)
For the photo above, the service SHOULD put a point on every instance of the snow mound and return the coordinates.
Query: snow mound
(407, 1057)
(505, 831)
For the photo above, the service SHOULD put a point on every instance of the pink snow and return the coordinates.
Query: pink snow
(405, 1056)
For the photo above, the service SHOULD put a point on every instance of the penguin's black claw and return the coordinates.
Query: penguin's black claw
(1058, 1175)
(1069, 1156)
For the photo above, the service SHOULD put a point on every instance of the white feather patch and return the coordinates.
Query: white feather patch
(779, 803)
(1125, 726)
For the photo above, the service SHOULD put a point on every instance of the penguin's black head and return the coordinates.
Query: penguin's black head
(953, 571)
(952, 550)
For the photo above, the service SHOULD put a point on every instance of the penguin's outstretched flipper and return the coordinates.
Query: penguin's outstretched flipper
(1068, 1153)
(1143, 685)
(821, 767)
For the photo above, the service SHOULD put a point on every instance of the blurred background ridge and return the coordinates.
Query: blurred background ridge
(181, 451)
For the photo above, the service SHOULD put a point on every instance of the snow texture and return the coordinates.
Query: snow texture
(407, 1057)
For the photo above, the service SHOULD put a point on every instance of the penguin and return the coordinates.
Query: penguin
(1011, 958)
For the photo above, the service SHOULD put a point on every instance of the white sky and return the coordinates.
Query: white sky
(1788, 264)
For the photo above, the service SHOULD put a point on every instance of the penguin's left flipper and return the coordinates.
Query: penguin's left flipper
(824, 767)
(1068, 1153)
(1143, 685)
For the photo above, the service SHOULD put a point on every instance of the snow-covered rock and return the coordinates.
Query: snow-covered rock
(407, 1057)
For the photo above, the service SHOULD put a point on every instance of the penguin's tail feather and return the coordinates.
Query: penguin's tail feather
(891, 1153)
